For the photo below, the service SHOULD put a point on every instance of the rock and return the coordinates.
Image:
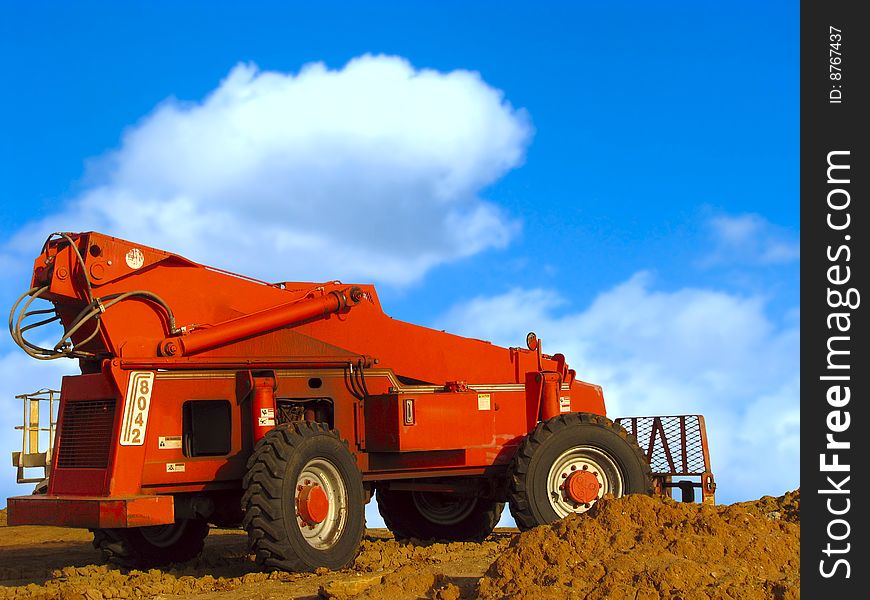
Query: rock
(346, 588)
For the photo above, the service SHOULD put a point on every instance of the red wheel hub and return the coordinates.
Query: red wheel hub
(582, 487)
(312, 504)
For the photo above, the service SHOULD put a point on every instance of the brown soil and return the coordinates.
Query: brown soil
(643, 547)
(635, 547)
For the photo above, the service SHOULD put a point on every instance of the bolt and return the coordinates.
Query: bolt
(307, 482)
(170, 349)
(299, 488)
(595, 473)
(561, 487)
(564, 475)
(587, 505)
(585, 467)
(576, 505)
(573, 467)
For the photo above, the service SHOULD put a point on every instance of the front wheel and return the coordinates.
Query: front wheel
(303, 500)
(568, 463)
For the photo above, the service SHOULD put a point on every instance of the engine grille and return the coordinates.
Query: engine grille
(86, 434)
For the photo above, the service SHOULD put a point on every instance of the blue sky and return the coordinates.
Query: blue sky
(633, 191)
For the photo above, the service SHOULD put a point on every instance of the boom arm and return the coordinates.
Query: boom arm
(117, 299)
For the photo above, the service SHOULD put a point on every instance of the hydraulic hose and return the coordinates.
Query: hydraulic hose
(64, 348)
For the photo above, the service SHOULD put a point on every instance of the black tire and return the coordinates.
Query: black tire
(152, 546)
(433, 515)
(287, 455)
(561, 445)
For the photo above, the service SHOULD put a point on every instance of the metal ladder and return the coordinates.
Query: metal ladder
(36, 423)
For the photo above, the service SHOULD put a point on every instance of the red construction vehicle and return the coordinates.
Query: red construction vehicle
(209, 397)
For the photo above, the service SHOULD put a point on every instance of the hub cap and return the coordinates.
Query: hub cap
(579, 477)
(321, 504)
(312, 505)
(582, 487)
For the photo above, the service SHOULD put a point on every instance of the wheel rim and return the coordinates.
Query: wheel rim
(582, 458)
(164, 536)
(443, 509)
(325, 534)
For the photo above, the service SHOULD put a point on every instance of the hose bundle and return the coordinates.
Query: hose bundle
(92, 311)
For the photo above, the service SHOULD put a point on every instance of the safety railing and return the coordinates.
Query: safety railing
(37, 434)
(676, 447)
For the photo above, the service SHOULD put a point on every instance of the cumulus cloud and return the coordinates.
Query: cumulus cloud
(749, 239)
(685, 351)
(373, 171)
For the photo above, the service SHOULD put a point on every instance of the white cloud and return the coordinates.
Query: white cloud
(673, 352)
(372, 171)
(750, 239)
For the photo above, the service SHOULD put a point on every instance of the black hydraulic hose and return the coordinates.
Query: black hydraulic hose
(15, 307)
(92, 310)
(101, 305)
(362, 379)
(351, 383)
(356, 380)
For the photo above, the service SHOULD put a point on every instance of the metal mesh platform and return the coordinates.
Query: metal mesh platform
(675, 446)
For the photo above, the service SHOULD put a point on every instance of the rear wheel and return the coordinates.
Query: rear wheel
(303, 500)
(568, 463)
(435, 515)
(152, 546)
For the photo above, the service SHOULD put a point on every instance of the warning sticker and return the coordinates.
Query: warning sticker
(266, 418)
(175, 467)
(564, 404)
(166, 442)
(483, 402)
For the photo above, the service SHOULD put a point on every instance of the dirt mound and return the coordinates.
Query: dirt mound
(644, 547)
(2, 517)
(786, 507)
